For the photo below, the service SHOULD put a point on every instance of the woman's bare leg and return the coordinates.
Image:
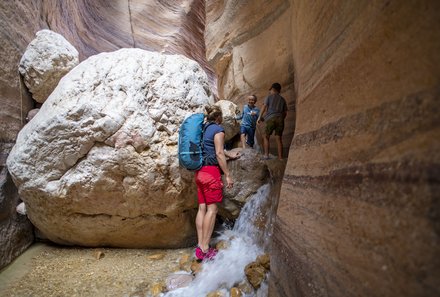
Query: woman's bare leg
(208, 226)
(199, 222)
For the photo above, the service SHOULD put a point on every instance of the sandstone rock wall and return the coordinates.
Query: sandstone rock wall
(18, 24)
(249, 46)
(359, 207)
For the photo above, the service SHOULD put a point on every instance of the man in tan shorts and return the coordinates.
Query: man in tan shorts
(274, 112)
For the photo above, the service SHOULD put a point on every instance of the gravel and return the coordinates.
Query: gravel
(49, 270)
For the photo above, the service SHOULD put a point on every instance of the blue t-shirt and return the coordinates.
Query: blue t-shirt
(248, 119)
(208, 143)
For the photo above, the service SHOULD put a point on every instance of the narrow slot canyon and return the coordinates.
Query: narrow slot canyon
(352, 210)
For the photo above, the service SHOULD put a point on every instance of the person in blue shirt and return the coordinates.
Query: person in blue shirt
(248, 118)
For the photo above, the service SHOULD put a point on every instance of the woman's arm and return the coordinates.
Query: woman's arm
(219, 143)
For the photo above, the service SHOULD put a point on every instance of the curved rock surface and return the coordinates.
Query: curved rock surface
(359, 211)
(46, 60)
(97, 164)
(249, 47)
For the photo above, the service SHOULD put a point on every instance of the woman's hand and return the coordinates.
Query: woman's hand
(229, 181)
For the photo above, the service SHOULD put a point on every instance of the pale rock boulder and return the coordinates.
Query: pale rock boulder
(98, 165)
(46, 60)
(230, 124)
(249, 174)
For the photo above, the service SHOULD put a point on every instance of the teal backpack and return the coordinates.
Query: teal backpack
(190, 146)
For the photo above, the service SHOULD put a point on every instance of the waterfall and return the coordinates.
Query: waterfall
(247, 240)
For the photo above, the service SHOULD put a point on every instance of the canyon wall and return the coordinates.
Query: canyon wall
(359, 207)
(248, 44)
(92, 27)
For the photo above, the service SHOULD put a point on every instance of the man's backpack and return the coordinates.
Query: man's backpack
(191, 142)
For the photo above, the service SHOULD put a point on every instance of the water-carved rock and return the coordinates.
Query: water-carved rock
(46, 60)
(98, 164)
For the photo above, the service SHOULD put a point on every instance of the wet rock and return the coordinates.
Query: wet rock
(103, 149)
(185, 262)
(255, 274)
(222, 245)
(178, 280)
(264, 260)
(235, 292)
(245, 287)
(46, 60)
(196, 266)
(215, 294)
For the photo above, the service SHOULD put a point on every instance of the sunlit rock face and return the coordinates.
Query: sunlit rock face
(249, 46)
(359, 208)
(98, 163)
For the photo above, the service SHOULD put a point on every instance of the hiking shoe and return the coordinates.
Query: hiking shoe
(200, 255)
(211, 253)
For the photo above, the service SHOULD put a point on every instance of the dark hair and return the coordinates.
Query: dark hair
(255, 97)
(212, 112)
(276, 86)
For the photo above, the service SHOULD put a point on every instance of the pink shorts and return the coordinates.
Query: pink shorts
(209, 185)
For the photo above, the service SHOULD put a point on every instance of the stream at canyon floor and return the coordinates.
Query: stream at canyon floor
(50, 270)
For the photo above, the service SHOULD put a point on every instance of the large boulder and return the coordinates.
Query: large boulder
(98, 164)
(230, 124)
(249, 174)
(46, 60)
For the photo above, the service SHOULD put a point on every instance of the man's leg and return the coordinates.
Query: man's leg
(266, 145)
(250, 137)
(208, 226)
(279, 141)
(199, 222)
(243, 140)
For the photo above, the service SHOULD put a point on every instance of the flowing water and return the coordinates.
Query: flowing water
(248, 239)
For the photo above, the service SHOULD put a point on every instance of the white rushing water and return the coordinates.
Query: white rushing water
(245, 239)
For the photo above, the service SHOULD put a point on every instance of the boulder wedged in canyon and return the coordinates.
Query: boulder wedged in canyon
(249, 174)
(46, 60)
(97, 165)
(229, 123)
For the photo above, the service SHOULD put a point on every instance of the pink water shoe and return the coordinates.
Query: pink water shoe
(200, 255)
